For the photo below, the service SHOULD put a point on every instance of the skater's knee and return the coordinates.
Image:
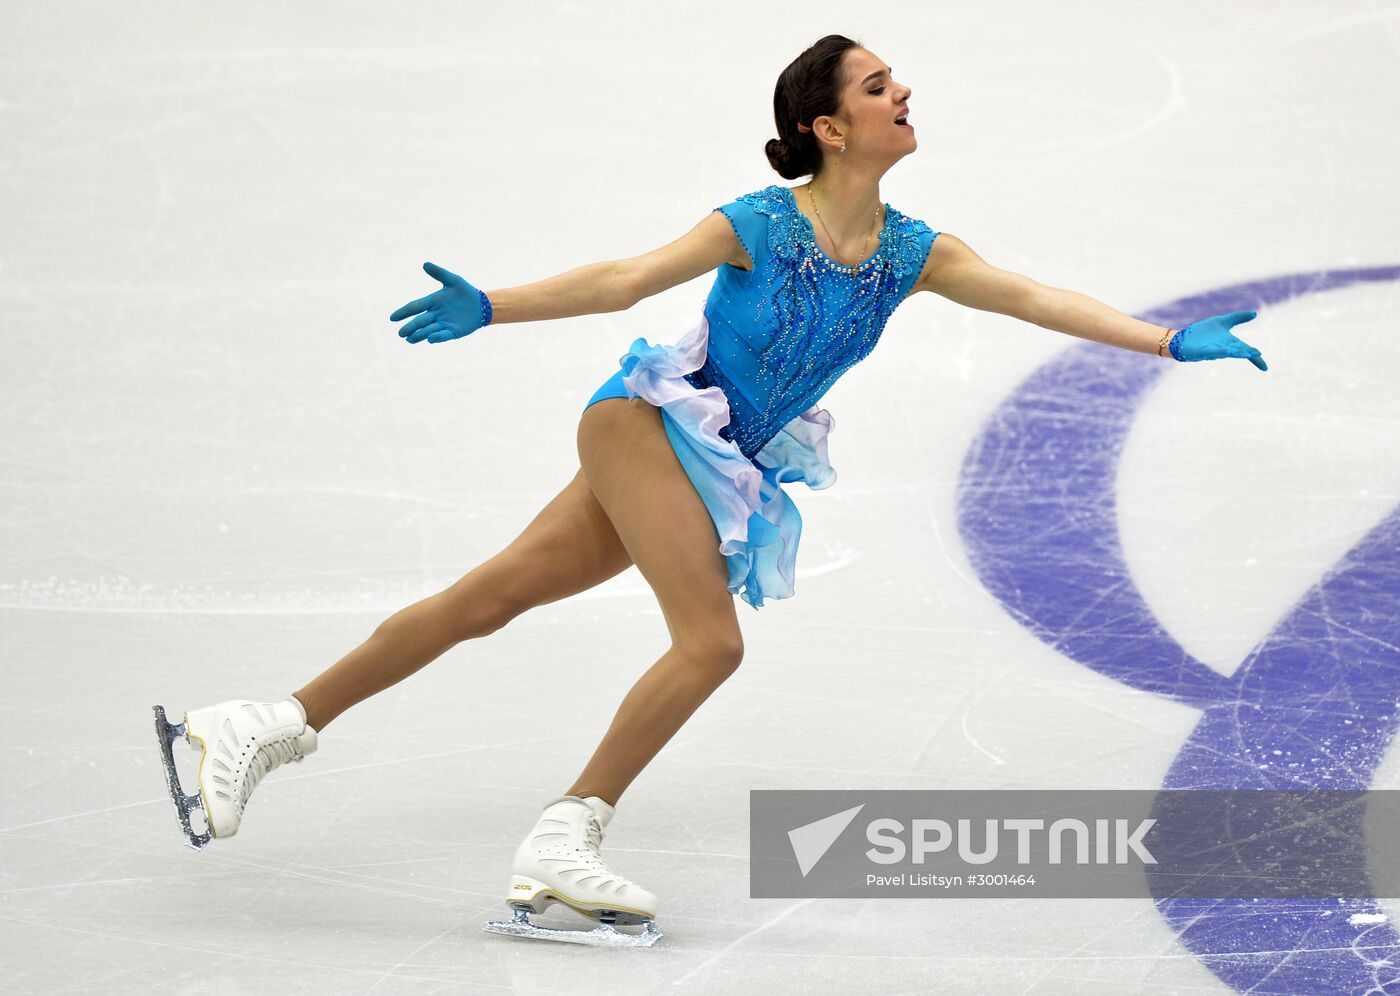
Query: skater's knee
(718, 653)
(730, 653)
(479, 613)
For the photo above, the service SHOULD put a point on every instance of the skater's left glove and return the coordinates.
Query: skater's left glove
(1211, 339)
(457, 310)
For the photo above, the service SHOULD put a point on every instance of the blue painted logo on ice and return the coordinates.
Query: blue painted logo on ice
(1319, 692)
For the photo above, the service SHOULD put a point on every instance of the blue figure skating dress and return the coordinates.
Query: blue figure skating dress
(738, 392)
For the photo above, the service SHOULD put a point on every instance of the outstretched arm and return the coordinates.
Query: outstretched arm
(959, 274)
(954, 271)
(459, 308)
(618, 284)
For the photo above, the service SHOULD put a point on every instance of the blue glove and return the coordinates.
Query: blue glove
(457, 310)
(1211, 339)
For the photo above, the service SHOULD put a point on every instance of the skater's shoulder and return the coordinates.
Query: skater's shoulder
(758, 219)
(771, 200)
(911, 241)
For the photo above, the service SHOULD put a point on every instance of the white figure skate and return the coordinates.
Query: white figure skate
(239, 742)
(558, 862)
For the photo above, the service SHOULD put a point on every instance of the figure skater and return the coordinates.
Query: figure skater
(683, 454)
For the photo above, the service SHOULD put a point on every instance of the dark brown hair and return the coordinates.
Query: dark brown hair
(808, 88)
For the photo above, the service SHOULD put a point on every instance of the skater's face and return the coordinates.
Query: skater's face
(871, 99)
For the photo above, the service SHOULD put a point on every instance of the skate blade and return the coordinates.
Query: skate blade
(167, 733)
(603, 935)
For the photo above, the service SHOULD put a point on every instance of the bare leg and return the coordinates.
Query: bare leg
(657, 706)
(568, 547)
(669, 535)
(399, 646)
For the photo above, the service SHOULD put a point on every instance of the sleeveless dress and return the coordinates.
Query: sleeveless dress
(738, 392)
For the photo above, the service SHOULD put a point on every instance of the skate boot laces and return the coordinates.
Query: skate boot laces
(270, 755)
(580, 859)
(592, 841)
(590, 860)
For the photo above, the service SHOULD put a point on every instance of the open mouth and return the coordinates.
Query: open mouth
(903, 121)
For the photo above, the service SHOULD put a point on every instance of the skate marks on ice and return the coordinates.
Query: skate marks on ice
(1312, 705)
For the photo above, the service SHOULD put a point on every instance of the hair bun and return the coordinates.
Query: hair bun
(777, 153)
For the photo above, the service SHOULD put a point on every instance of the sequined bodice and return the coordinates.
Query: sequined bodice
(784, 332)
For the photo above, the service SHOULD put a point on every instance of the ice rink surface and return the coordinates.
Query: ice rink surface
(1047, 563)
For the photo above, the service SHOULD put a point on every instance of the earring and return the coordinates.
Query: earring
(843, 146)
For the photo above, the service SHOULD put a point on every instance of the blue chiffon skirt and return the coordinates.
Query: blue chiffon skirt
(758, 524)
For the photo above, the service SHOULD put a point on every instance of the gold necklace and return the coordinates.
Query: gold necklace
(813, 199)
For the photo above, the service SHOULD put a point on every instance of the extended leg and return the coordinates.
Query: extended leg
(568, 547)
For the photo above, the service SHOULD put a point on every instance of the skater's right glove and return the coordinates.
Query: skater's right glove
(457, 310)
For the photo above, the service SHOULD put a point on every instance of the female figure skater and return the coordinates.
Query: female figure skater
(683, 445)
